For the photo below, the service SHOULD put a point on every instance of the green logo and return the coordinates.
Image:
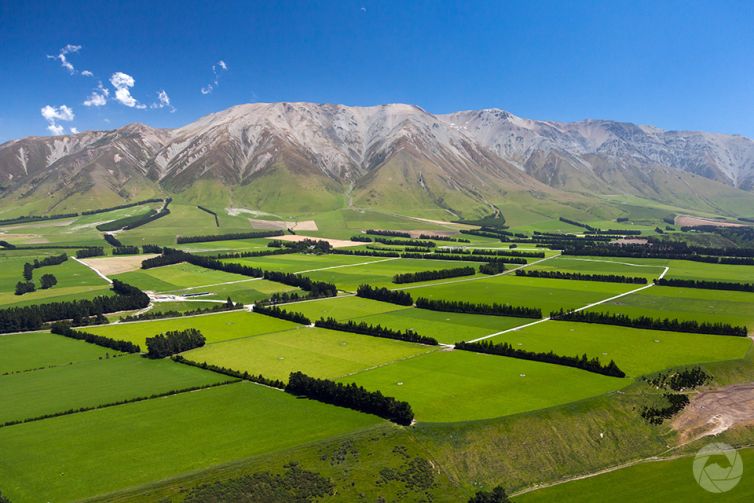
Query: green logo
(718, 468)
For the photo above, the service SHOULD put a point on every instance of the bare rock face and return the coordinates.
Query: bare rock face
(480, 155)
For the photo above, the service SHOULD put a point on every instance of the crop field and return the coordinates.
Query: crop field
(93, 383)
(636, 351)
(315, 351)
(481, 386)
(214, 327)
(687, 304)
(671, 480)
(33, 350)
(134, 445)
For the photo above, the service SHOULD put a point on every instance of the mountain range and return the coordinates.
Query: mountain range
(299, 157)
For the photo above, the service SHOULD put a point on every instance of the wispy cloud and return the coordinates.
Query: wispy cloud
(62, 56)
(54, 114)
(163, 101)
(75, 130)
(87, 73)
(217, 69)
(122, 82)
(98, 98)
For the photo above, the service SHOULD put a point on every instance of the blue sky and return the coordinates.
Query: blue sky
(673, 64)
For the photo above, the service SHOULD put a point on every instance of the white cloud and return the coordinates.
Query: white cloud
(53, 114)
(75, 130)
(62, 57)
(163, 101)
(216, 80)
(87, 73)
(122, 82)
(98, 97)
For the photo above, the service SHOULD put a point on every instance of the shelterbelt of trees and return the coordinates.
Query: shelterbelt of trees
(505, 349)
(37, 218)
(351, 396)
(495, 309)
(608, 278)
(173, 342)
(645, 322)
(708, 285)
(277, 312)
(400, 297)
(126, 298)
(228, 237)
(365, 328)
(413, 277)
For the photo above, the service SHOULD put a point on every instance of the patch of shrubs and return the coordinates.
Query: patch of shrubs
(177, 341)
(656, 415)
(492, 268)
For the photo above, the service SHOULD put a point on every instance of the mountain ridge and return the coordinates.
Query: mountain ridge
(384, 155)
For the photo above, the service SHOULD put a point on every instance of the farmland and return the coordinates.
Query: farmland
(473, 413)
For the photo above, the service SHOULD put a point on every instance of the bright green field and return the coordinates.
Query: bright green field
(314, 351)
(86, 384)
(448, 386)
(75, 281)
(80, 455)
(687, 304)
(636, 351)
(684, 269)
(42, 349)
(598, 266)
(646, 482)
(214, 327)
(445, 327)
(547, 294)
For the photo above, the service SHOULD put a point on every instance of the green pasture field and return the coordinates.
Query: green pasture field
(300, 263)
(91, 383)
(445, 327)
(687, 304)
(314, 351)
(33, 350)
(636, 351)
(230, 246)
(600, 266)
(151, 440)
(667, 480)
(75, 281)
(547, 294)
(448, 386)
(214, 327)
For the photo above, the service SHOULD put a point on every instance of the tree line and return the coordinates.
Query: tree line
(254, 253)
(207, 210)
(413, 277)
(361, 238)
(505, 349)
(228, 237)
(395, 234)
(36, 218)
(156, 315)
(259, 378)
(708, 285)
(494, 309)
(23, 318)
(365, 328)
(126, 250)
(608, 278)
(112, 240)
(65, 330)
(367, 253)
(277, 312)
(173, 342)
(92, 251)
(435, 237)
(405, 242)
(315, 246)
(645, 322)
(464, 258)
(400, 297)
(492, 268)
(351, 396)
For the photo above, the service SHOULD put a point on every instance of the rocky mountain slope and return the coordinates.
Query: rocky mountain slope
(305, 156)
